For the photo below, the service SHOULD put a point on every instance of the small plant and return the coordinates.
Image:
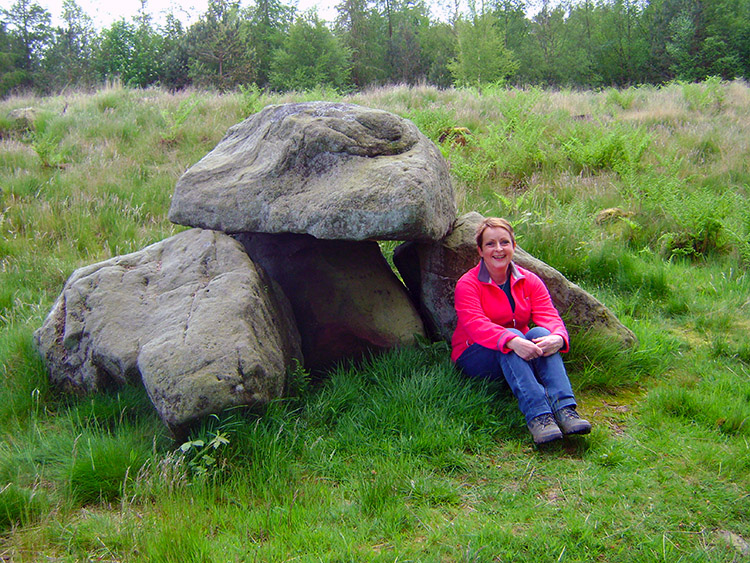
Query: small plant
(622, 98)
(704, 238)
(175, 119)
(298, 380)
(47, 147)
(206, 453)
(705, 96)
(253, 99)
(202, 462)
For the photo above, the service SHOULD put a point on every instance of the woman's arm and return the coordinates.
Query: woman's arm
(473, 319)
(544, 314)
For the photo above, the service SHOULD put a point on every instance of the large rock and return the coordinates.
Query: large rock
(191, 317)
(431, 270)
(331, 170)
(345, 297)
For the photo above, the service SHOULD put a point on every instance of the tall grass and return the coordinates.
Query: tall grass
(638, 195)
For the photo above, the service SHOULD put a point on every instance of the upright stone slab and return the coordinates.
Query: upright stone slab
(331, 170)
(190, 317)
(431, 270)
(346, 299)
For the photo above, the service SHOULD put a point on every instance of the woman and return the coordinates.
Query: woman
(495, 302)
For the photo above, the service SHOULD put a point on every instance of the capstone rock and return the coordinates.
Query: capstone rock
(331, 170)
(346, 299)
(190, 317)
(431, 269)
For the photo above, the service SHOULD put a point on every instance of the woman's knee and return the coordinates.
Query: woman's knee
(516, 332)
(537, 332)
(478, 361)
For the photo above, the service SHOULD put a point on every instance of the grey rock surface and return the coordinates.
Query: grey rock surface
(346, 299)
(431, 270)
(23, 118)
(331, 170)
(190, 317)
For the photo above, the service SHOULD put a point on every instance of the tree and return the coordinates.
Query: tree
(310, 56)
(682, 48)
(438, 45)
(130, 52)
(175, 55)
(361, 30)
(68, 60)
(269, 22)
(30, 31)
(624, 44)
(546, 37)
(12, 74)
(407, 62)
(482, 57)
(220, 51)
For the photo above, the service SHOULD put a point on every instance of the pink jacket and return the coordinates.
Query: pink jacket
(484, 312)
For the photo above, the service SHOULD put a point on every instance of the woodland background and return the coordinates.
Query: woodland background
(270, 45)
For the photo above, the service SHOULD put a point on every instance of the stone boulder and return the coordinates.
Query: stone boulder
(345, 297)
(431, 270)
(23, 118)
(190, 317)
(331, 170)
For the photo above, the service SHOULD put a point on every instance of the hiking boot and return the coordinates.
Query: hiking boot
(570, 421)
(544, 429)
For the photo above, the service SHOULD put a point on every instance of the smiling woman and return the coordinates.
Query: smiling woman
(496, 302)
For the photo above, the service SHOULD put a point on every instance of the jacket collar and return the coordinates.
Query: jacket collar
(484, 274)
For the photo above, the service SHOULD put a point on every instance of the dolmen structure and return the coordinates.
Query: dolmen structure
(281, 266)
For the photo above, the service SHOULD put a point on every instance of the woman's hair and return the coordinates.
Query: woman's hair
(491, 223)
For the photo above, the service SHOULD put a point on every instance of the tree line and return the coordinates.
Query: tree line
(272, 45)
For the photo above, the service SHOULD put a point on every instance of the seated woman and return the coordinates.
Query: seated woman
(495, 302)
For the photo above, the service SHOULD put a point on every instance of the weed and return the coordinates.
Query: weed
(624, 99)
(298, 380)
(206, 451)
(174, 120)
(253, 99)
(705, 96)
(48, 149)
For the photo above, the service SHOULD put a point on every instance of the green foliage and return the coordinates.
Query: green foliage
(221, 55)
(481, 57)
(253, 100)
(619, 150)
(48, 149)
(174, 120)
(298, 380)
(205, 450)
(129, 52)
(705, 96)
(579, 44)
(309, 57)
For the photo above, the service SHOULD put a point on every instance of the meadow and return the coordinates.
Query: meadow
(638, 195)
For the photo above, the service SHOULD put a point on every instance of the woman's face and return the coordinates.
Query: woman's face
(497, 250)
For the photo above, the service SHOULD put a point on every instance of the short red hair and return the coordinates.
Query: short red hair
(491, 223)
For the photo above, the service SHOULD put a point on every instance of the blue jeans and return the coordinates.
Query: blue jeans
(541, 385)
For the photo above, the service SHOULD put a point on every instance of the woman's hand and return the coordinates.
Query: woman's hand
(549, 344)
(526, 349)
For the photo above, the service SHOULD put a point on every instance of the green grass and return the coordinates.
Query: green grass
(400, 458)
